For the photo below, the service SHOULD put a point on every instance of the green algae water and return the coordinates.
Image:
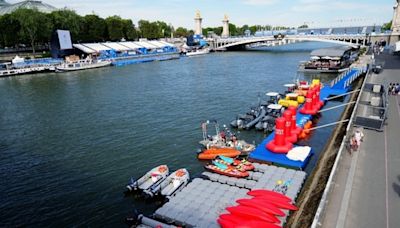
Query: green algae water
(70, 142)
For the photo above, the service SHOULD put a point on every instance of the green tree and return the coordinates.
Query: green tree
(35, 26)
(164, 29)
(181, 32)
(68, 20)
(232, 30)
(387, 26)
(303, 26)
(9, 28)
(129, 30)
(94, 27)
(253, 29)
(218, 30)
(115, 28)
(242, 29)
(149, 30)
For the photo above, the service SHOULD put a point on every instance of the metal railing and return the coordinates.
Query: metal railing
(328, 188)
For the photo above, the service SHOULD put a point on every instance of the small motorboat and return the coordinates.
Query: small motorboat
(171, 185)
(243, 119)
(272, 98)
(198, 51)
(241, 165)
(150, 180)
(223, 139)
(267, 124)
(226, 170)
(214, 152)
(82, 64)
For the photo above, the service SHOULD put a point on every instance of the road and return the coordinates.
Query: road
(374, 186)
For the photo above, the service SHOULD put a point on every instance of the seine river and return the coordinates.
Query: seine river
(70, 142)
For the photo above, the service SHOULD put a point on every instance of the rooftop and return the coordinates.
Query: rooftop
(91, 48)
(331, 52)
(3, 4)
(28, 4)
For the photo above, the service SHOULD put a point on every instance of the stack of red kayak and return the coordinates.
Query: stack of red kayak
(260, 211)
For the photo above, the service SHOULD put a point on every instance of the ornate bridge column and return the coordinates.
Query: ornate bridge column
(197, 20)
(225, 26)
(396, 18)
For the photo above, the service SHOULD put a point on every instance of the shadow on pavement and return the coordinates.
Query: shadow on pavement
(396, 186)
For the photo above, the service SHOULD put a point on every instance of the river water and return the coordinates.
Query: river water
(70, 142)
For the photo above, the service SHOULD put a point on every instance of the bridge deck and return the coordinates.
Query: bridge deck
(262, 154)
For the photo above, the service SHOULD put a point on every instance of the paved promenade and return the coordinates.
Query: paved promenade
(366, 192)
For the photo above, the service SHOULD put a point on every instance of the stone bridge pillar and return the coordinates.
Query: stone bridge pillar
(225, 26)
(197, 21)
(396, 18)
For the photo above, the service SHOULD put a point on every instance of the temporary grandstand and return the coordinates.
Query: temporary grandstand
(128, 52)
(140, 47)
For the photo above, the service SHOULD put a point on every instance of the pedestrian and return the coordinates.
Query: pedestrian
(353, 144)
(389, 90)
(393, 89)
(397, 89)
(358, 136)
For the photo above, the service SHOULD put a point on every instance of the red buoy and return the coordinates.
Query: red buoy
(319, 101)
(279, 144)
(308, 108)
(295, 129)
(289, 136)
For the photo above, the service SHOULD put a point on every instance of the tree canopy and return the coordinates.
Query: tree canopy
(387, 26)
(31, 27)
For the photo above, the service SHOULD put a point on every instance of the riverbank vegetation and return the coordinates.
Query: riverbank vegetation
(30, 27)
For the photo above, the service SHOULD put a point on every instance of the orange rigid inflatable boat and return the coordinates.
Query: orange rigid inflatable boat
(214, 152)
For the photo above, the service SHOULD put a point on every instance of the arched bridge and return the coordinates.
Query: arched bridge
(241, 42)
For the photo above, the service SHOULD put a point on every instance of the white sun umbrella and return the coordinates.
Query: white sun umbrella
(327, 57)
(314, 58)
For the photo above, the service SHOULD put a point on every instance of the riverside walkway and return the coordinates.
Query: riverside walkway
(366, 190)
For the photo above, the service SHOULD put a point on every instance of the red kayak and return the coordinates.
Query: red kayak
(232, 221)
(273, 198)
(265, 207)
(228, 171)
(279, 203)
(251, 213)
(226, 223)
(262, 192)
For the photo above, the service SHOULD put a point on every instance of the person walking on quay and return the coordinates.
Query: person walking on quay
(389, 90)
(352, 145)
(358, 136)
(397, 89)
